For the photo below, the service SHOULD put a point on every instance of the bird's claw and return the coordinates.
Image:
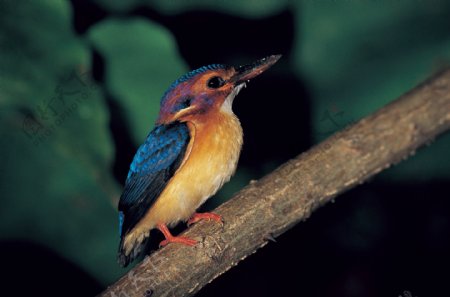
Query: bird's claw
(205, 216)
(170, 238)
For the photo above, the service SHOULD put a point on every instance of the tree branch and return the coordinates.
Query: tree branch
(270, 206)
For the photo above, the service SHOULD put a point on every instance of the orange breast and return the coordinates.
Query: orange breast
(210, 161)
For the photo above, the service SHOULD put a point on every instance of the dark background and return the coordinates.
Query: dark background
(80, 83)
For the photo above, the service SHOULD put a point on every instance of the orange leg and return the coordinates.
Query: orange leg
(170, 238)
(205, 216)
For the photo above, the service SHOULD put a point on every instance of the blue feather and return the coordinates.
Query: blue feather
(154, 164)
(159, 150)
(120, 222)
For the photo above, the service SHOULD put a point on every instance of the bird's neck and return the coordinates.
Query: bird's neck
(221, 125)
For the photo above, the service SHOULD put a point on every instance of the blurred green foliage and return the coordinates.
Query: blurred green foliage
(133, 49)
(249, 8)
(359, 55)
(56, 149)
(56, 180)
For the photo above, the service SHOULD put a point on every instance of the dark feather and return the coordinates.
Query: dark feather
(153, 166)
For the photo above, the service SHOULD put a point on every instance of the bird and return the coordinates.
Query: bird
(191, 152)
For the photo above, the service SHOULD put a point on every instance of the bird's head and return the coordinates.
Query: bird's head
(208, 89)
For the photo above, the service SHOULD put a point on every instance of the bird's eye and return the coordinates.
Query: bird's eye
(215, 82)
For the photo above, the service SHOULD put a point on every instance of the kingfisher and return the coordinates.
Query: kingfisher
(191, 152)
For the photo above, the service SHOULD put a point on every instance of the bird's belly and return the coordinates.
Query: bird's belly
(211, 163)
(194, 190)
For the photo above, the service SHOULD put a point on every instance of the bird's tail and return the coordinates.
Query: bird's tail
(125, 255)
(131, 245)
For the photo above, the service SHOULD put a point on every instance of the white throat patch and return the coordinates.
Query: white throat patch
(227, 105)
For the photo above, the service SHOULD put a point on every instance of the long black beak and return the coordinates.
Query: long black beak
(247, 72)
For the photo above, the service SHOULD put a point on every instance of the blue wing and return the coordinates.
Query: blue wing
(153, 166)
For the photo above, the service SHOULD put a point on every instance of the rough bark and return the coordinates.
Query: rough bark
(268, 207)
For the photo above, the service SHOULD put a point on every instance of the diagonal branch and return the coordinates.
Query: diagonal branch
(270, 206)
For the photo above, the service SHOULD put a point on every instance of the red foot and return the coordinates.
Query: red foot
(170, 238)
(205, 216)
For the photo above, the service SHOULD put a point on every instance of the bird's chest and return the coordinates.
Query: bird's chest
(211, 159)
(214, 156)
